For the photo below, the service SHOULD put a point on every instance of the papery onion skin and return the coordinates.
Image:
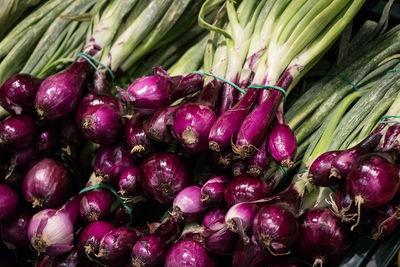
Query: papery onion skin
(188, 253)
(46, 184)
(244, 188)
(9, 203)
(17, 132)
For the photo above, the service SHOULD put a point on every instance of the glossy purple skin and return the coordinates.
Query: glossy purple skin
(129, 181)
(218, 239)
(71, 133)
(15, 233)
(18, 93)
(17, 132)
(391, 140)
(116, 245)
(245, 188)
(8, 203)
(48, 140)
(59, 94)
(385, 219)
(188, 205)
(101, 124)
(92, 234)
(158, 126)
(322, 235)
(275, 228)
(148, 251)
(169, 230)
(374, 178)
(51, 232)
(226, 127)
(92, 100)
(212, 192)
(135, 136)
(23, 158)
(320, 170)
(46, 184)
(343, 200)
(163, 176)
(282, 144)
(147, 94)
(71, 208)
(250, 255)
(188, 253)
(191, 126)
(110, 162)
(239, 219)
(95, 205)
(259, 160)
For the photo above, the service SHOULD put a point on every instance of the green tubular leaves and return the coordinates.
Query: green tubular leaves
(206, 8)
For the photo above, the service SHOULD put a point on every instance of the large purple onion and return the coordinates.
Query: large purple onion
(218, 239)
(95, 205)
(46, 184)
(320, 170)
(245, 188)
(187, 204)
(275, 229)
(14, 234)
(188, 253)
(163, 176)
(51, 232)
(59, 94)
(282, 144)
(212, 192)
(92, 234)
(191, 126)
(135, 136)
(17, 132)
(148, 251)
(239, 219)
(110, 162)
(8, 203)
(18, 93)
(322, 238)
(117, 245)
(101, 124)
(158, 126)
(129, 181)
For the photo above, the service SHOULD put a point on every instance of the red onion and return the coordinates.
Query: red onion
(14, 234)
(46, 184)
(17, 132)
(135, 136)
(191, 126)
(218, 239)
(8, 203)
(343, 205)
(71, 259)
(259, 160)
(275, 229)
(59, 94)
(282, 144)
(148, 251)
(110, 162)
(385, 219)
(48, 140)
(71, 133)
(188, 205)
(158, 126)
(92, 234)
(129, 181)
(101, 124)
(391, 142)
(244, 188)
(117, 245)
(212, 192)
(95, 205)
(22, 158)
(169, 230)
(372, 181)
(239, 219)
(250, 255)
(163, 176)
(18, 93)
(322, 238)
(188, 253)
(320, 170)
(51, 232)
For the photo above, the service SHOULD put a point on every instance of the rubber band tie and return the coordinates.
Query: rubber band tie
(283, 171)
(303, 171)
(222, 79)
(393, 70)
(269, 87)
(343, 78)
(90, 59)
(112, 190)
(390, 116)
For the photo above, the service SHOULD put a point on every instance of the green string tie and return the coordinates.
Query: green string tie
(303, 171)
(112, 190)
(222, 79)
(269, 87)
(388, 117)
(343, 78)
(393, 70)
(166, 214)
(283, 171)
(90, 59)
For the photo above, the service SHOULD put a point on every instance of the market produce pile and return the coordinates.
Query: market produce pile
(176, 132)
